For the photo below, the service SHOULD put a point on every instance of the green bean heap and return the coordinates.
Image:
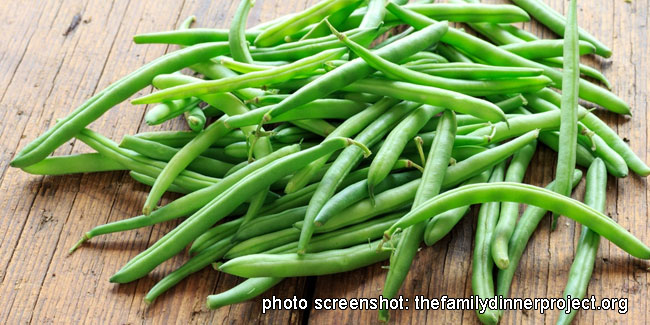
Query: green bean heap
(277, 170)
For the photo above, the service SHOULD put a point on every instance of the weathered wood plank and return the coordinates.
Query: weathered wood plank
(44, 75)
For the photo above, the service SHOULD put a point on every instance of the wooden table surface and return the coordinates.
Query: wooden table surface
(45, 72)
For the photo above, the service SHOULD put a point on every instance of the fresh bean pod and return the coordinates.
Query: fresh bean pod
(395, 142)
(566, 155)
(532, 195)
(291, 265)
(585, 257)
(542, 49)
(74, 164)
(195, 264)
(482, 264)
(510, 211)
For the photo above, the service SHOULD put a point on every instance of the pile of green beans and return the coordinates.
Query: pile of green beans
(277, 171)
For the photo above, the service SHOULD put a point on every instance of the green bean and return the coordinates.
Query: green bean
(292, 135)
(464, 152)
(290, 265)
(520, 33)
(180, 161)
(73, 164)
(357, 192)
(204, 165)
(432, 178)
(384, 202)
(253, 79)
(195, 118)
(348, 128)
(189, 37)
(491, 30)
(552, 140)
(429, 95)
(174, 241)
(616, 165)
(608, 135)
(477, 164)
(441, 224)
(452, 54)
(237, 33)
(391, 38)
(523, 231)
(355, 70)
(555, 22)
(474, 71)
(318, 109)
(541, 49)
(187, 179)
(584, 70)
(374, 15)
(566, 155)
(242, 67)
(270, 223)
(583, 262)
(482, 264)
(93, 108)
(168, 110)
(178, 139)
(276, 33)
(342, 238)
(528, 194)
(213, 70)
(301, 49)
(496, 56)
(336, 19)
(244, 291)
(262, 243)
(395, 142)
(215, 234)
(345, 162)
(510, 211)
(423, 57)
(189, 203)
(457, 13)
(147, 180)
(195, 264)
(522, 124)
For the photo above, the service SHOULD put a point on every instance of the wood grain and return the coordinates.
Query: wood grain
(44, 75)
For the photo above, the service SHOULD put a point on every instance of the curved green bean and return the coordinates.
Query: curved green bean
(97, 105)
(237, 34)
(528, 194)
